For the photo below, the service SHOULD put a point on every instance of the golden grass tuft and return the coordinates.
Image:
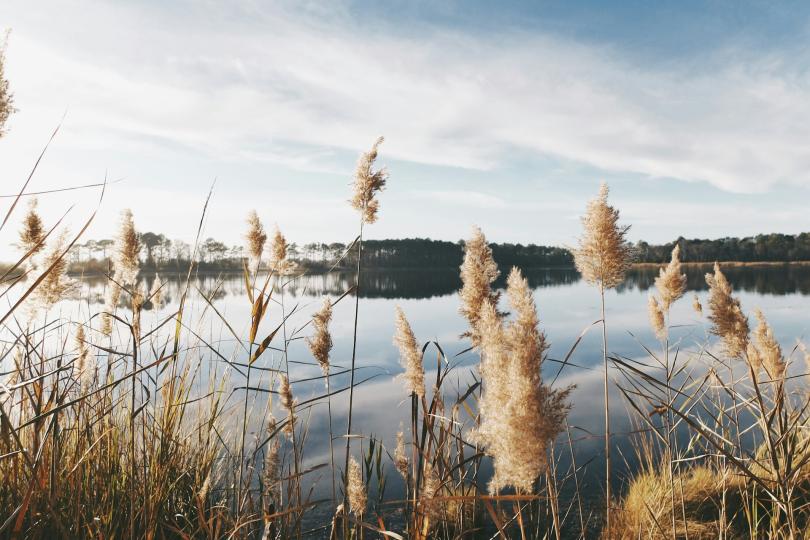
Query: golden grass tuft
(645, 509)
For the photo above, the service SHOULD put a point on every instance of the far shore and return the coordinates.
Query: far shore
(317, 270)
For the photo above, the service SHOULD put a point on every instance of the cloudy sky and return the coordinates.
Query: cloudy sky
(504, 114)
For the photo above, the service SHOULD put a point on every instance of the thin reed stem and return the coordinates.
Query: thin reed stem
(354, 359)
(607, 413)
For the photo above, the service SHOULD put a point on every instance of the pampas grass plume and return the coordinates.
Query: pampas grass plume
(288, 404)
(410, 356)
(603, 255)
(671, 283)
(367, 183)
(320, 344)
(478, 272)
(657, 318)
(728, 321)
(356, 493)
(255, 238)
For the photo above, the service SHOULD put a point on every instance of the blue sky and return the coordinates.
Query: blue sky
(506, 115)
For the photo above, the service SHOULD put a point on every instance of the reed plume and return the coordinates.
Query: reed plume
(6, 97)
(85, 373)
(401, 461)
(256, 237)
(270, 474)
(356, 490)
(671, 283)
(279, 262)
(478, 272)
(657, 318)
(430, 490)
(520, 416)
(288, 404)
(410, 356)
(32, 234)
(768, 348)
(367, 183)
(603, 255)
(56, 285)
(127, 247)
(728, 321)
(320, 344)
(125, 267)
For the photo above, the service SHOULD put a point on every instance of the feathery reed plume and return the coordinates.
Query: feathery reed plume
(156, 293)
(728, 321)
(270, 476)
(6, 98)
(288, 404)
(697, 306)
(256, 238)
(279, 262)
(32, 234)
(127, 246)
(768, 348)
(125, 267)
(320, 344)
(520, 416)
(56, 284)
(671, 283)
(603, 255)
(430, 490)
(111, 298)
(478, 272)
(657, 318)
(400, 455)
(410, 356)
(367, 182)
(83, 369)
(356, 491)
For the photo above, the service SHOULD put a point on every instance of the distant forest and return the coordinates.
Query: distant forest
(161, 253)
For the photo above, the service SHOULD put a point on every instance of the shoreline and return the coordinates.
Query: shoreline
(319, 271)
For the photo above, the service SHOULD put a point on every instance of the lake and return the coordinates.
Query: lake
(567, 307)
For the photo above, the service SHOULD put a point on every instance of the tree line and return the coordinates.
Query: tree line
(160, 252)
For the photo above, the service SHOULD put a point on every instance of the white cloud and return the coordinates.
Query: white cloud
(733, 119)
(466, 198)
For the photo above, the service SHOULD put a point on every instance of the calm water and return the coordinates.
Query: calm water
(567, 307)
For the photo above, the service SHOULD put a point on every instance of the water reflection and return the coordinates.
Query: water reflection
(424, 284)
